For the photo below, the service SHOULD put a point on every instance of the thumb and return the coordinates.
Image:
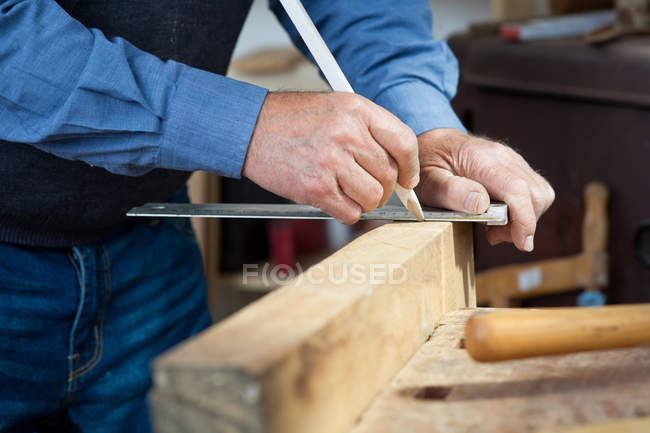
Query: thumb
(441, 188)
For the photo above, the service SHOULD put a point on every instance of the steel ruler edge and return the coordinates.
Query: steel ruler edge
(496, 214)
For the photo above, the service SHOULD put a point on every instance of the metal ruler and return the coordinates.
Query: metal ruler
(497, 213)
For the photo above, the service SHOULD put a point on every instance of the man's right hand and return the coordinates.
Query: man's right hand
(336, 151)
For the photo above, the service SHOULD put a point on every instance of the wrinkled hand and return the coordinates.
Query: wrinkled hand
(336, 151)
(462, 172)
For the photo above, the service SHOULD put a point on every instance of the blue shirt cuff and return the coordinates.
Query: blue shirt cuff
(209, 123)
(421, 106)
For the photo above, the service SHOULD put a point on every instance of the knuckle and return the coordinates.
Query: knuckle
(317, 188)
(408, 136)
(505, 153)
(370, 199)
(375, 194)
(352, 102)
(350, 215)
(518, 186)
(410, 142)
(388, 177)
(494, 146)
(539, 201)
(550, 198)
(404, 149)
(327, 159)
(338, 130)
(520, 159)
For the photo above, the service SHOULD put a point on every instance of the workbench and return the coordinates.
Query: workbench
(441, 389)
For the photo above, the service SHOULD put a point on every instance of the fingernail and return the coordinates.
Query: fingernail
(528, 244)
(472, 202)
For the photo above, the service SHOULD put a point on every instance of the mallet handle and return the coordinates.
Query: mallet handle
(522, 333)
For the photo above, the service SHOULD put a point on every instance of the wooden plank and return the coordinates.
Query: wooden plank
(637, 425)
(267, 61)
(197, 191)
(589, 269)
(310, 356)
(512, 9)
(206, 188)
(441, 390)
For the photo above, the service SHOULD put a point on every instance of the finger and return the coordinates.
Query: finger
(508, 185)
(537, 193)
(399, 141)
(380, 165)
(497, 235)
(443, 189)
(360, 186)
(543, 194)
(340, 206)
(523, 219)
(546, 195)
(325, 193)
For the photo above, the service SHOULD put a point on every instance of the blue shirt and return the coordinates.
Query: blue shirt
(69, 91)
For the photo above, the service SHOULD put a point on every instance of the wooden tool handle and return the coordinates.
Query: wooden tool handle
(521, 333)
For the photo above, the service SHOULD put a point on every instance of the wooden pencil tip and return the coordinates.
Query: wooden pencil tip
(415, 209)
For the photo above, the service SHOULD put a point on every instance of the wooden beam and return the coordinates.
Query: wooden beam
(512, 9)
(310, 356)
(634, 425)
(496, 286)
(206, 188)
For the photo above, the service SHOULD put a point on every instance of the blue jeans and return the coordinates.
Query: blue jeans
(79, 326)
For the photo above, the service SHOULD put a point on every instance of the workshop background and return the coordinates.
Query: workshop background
(576, 106)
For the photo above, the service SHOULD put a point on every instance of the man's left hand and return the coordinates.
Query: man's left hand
(461, 172)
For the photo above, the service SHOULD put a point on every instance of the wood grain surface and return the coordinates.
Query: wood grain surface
(630, 425)
(441, 390)
(310, 356)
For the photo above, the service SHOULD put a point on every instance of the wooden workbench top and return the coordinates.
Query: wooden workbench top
(442, 390)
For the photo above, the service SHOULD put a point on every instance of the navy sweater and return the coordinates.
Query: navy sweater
(53, 202)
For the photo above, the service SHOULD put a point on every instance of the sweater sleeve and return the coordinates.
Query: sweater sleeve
(70, 91)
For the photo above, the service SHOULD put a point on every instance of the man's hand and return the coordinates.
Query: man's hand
(336, 151)
(462, 172)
